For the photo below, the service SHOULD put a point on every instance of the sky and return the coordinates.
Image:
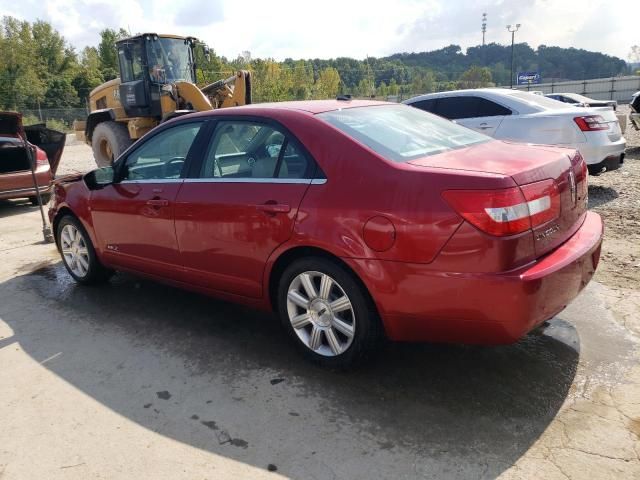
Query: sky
(331, 28)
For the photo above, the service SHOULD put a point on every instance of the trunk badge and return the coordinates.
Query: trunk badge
(572, 186)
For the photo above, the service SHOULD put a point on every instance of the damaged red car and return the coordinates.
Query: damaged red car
(353, 220)
(16, 179)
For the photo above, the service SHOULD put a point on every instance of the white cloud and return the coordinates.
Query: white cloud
(297, 29)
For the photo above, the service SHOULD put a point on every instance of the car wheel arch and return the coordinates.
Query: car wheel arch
(65, 210)
(292, 254)
(62, 212)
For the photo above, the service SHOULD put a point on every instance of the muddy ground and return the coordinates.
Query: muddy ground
(138, 380)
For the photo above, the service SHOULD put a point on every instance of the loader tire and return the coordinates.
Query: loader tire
(109, 140)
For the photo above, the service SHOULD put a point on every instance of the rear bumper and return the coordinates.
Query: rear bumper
(20, 184)
(418, 304)
(610, 163)
(597, 149)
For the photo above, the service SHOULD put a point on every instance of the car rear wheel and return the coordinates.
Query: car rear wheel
(327, 312)
(78, 254)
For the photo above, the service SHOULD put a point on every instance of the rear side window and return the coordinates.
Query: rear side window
(468, 107)
(401, 133)
(426, 105)
(456, 107)
(487, 108)
(245, 149)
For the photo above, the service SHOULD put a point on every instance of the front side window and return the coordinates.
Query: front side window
(401, 133)
(162, 156)
(244, 149)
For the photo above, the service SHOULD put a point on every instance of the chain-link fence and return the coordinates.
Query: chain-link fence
(56, 118)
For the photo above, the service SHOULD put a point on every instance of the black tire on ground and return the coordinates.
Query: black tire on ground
(96, 272)
(45, 199)
(368, 327)
(108, 141)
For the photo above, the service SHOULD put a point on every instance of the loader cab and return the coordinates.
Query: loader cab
(148, 63)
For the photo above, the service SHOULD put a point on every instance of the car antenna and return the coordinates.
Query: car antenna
(46, 230)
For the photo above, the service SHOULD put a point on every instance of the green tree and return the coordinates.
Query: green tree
(476, 77)
(22, 84)
(328, 84)
(60, 93)
(107, 52)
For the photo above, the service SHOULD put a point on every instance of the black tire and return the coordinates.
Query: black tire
(109, 136)
(45, 199)
(95, 272)
(367, 325)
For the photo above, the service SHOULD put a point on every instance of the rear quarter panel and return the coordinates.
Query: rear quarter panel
(540, 128)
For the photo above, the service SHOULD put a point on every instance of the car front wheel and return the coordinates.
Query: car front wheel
(327, 312)
(78, 254)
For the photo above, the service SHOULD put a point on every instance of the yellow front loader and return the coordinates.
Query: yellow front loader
(157, 82)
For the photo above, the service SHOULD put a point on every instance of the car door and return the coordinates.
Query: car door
(241, 204)
(134, 217)
(473, 112)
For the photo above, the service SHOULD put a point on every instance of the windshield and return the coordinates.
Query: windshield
(402, 133)
(169, 60)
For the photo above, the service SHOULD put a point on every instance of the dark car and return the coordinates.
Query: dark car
(16, 179)
(353, 220)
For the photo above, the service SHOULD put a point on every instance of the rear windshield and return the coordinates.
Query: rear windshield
(538, 102)
(402, 133)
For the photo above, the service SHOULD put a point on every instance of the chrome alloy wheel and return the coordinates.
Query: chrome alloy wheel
(321, 313)
(74, 250)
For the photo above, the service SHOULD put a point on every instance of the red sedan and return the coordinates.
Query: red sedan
(353, 220)
(16, 178)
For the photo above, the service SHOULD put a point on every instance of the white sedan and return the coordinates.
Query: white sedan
(527, 118)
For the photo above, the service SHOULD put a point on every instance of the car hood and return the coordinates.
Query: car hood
(11, 124)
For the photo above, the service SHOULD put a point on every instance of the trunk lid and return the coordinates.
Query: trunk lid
(527, 164)
(11, 124)
(51, 141)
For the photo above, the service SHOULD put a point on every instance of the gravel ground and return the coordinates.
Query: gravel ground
(616, 196)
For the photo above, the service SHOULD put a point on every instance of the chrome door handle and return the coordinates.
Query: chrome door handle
(484, 126)
(274, 208)
(158, 202)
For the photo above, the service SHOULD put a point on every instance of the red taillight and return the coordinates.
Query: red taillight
(508, 211)
(41, 157)
(591, 123)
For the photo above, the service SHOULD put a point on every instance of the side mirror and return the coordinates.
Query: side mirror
(99, 178)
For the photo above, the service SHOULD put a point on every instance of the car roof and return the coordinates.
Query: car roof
(519, 100)
(307, 106)
(489, 92)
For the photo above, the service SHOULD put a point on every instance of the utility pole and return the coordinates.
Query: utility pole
(513, 33)
(484, 26)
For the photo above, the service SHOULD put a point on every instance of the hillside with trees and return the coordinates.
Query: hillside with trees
(39, 69)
